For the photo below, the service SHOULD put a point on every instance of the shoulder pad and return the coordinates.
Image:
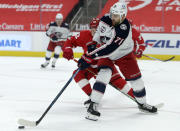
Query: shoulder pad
(53, 24)
(106, 19)
(126, 22)
(107, 14)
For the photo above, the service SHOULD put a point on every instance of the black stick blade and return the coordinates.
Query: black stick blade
(169, 59)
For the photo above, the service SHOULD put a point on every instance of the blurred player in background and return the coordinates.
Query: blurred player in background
(58, 33)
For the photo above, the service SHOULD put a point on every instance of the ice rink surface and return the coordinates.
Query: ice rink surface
(26, 91)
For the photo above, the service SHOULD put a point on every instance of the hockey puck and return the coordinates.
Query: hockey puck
(21, 127)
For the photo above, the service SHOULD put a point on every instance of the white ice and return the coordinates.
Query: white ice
(26, 91)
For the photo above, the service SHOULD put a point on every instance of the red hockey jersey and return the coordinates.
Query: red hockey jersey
(138, 40)
(83, 39)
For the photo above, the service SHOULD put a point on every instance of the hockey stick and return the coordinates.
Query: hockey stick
(24, 122)
(159, 59)
(158, 105)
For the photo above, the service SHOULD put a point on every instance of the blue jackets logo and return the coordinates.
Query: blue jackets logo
(163, 43)
(10, 43)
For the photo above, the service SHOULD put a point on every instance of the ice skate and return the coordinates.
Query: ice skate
(45, 64)
(53, 64)
(92, 113)
(87, 103)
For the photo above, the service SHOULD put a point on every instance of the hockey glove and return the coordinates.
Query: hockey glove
(84, 62)
(53, 37)
(91, 47)
(68, 53)
(139, 53)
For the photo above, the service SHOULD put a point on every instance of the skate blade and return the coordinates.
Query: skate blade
(91, 117)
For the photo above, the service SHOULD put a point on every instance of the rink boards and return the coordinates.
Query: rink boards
(34, 44)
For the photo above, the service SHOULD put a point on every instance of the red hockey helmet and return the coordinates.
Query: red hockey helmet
(94, 23)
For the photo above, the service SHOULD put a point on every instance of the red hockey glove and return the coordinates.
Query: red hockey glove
(84, 62)
(68, 53)
(139, 53)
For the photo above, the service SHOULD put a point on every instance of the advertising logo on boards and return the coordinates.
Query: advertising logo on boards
(162, 43)
(166, 5)
(16, 42)
(137, 4)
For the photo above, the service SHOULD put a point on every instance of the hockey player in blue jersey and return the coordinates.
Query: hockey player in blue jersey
(115, 46)
(58, 33)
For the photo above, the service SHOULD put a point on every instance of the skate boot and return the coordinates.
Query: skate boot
(53, 64)
(92, 113)
(87, 103)
(45, 64)
(147, 108)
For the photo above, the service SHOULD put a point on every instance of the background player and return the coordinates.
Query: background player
(58, 33)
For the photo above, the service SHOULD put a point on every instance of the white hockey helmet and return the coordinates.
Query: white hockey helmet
(119, 8)
(59, 16)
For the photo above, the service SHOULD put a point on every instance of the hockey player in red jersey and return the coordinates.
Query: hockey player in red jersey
(58, 33)
(115, 32)
(84, 40)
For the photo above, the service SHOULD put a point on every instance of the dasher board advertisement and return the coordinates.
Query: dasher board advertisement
(164, 44)
(32, 15)
(15, 42)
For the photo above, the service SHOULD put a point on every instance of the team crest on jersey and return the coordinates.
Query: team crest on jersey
(123, 27)
(103, 29)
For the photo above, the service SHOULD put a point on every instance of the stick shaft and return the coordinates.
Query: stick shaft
(56, 98)
(159, 59)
